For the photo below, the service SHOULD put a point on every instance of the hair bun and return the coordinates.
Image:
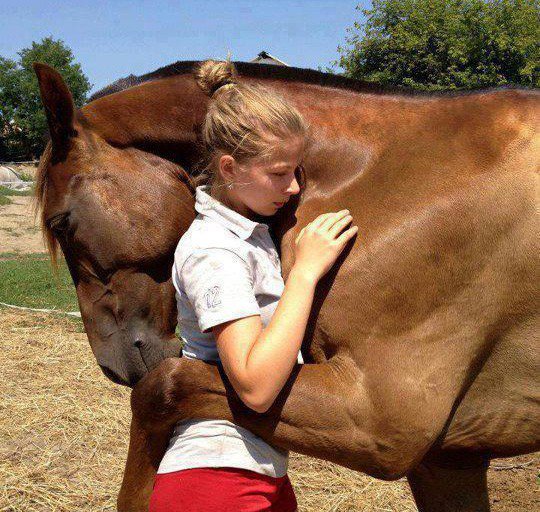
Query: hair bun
(213, 74)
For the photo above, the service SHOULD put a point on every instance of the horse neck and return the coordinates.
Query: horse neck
(162, 117)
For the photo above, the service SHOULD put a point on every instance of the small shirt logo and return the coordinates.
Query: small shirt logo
(212, 297)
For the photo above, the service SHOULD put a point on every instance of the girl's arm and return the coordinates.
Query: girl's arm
(259, 361)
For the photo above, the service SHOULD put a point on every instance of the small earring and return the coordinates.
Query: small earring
(230, 186)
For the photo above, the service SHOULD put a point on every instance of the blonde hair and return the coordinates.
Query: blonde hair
(244, 121)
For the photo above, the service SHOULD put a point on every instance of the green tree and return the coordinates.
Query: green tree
(445, 44)
(22, 118)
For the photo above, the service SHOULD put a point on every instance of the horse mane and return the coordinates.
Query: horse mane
(38, 205)
(291, 74)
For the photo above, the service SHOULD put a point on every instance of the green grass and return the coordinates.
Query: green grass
(25, 176)
(5, 200)
(27, 280)
(5, 191)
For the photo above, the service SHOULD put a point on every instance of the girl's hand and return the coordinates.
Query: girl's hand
(319, 244)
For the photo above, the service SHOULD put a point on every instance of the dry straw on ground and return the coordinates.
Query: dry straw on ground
(64, 433)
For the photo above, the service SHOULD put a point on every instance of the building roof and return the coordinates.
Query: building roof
(266, 58)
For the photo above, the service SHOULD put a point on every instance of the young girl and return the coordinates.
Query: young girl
(233, 306)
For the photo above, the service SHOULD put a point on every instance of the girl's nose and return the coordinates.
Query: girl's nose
(293, 188)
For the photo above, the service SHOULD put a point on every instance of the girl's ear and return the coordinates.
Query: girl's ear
(227, 168)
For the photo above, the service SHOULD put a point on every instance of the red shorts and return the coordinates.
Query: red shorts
(223, 490)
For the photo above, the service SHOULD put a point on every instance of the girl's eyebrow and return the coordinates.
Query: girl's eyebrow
(279, 166)
(285, 166)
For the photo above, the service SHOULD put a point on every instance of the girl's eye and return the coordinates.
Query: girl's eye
(299, 168)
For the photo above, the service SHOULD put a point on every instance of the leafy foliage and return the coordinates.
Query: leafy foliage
(446, 44)
(22, 118)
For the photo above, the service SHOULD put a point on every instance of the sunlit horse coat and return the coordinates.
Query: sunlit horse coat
(424, 338)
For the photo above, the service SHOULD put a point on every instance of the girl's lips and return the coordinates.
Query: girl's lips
(279, 204)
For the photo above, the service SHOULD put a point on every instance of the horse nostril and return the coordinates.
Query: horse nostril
(138, 343)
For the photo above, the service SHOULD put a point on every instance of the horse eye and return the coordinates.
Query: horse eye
(58, 223)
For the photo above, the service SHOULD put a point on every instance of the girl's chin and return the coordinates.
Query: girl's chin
(267, 212)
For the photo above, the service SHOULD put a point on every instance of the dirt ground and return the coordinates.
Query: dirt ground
(64, 433)
(18, 230)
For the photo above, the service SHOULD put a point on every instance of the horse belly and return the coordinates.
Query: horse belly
(500, 413)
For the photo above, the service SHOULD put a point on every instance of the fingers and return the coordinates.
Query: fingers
(330, 217)
(315, 224)
(347, 235)
(332, 223)
(331, 220)
(338, 227)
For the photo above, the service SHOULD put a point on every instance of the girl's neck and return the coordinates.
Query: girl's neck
(219, 192)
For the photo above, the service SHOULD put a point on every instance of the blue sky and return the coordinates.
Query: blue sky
(114, 38)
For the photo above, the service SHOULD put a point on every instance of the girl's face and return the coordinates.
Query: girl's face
(263, 186)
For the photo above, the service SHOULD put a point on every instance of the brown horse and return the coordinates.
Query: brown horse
(422, 340)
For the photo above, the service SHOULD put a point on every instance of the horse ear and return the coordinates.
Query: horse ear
(58, 104)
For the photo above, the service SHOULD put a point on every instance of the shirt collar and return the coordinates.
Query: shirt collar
(210, 207)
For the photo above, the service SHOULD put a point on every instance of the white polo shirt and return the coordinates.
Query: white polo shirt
(225, 267)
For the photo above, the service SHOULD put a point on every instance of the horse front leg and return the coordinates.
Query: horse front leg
(325, 411)
(167, 394)
(144, 454)
(310, 417)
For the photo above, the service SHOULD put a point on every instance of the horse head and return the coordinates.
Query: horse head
(117, 213)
